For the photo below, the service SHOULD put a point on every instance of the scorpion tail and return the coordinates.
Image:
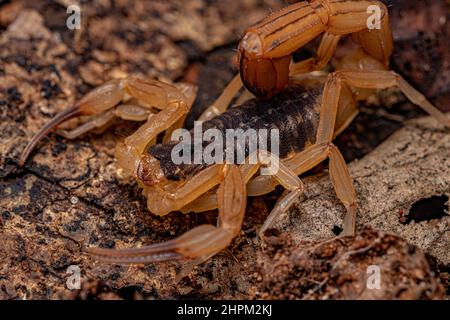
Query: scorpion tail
(58, 119)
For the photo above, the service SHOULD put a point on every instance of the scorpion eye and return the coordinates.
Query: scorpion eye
(264, 77)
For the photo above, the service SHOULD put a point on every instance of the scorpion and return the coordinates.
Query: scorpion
(308, 108)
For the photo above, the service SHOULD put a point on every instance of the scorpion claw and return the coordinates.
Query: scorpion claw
(58, 119)
(200, 241)
(97, 101)
(155, 253)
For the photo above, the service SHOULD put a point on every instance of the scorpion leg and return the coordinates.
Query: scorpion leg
(291, 182)
(338, 83)
(100, 102)
(208, 200)
(381, 79)
(221, 104)
(283, 175)
(325, 52)
(346, 18)
(131, 112)
(337, 103)
(331, 121)
(190, 92)
(353, 18)
(174, 105)
(95, 122)
(344, 188)
(377, 42)
(161, 202)
(97, 101)
(301, 163)
(305, 161)
(337, 88)
(200, 242)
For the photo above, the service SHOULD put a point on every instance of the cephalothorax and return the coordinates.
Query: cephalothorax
(309, 115)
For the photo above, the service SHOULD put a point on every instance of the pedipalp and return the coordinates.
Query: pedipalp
(103, 104)
(202, 241)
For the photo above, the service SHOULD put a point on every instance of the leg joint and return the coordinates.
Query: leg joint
(337, 76)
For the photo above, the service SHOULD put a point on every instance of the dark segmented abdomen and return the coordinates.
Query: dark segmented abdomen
(294, 112)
